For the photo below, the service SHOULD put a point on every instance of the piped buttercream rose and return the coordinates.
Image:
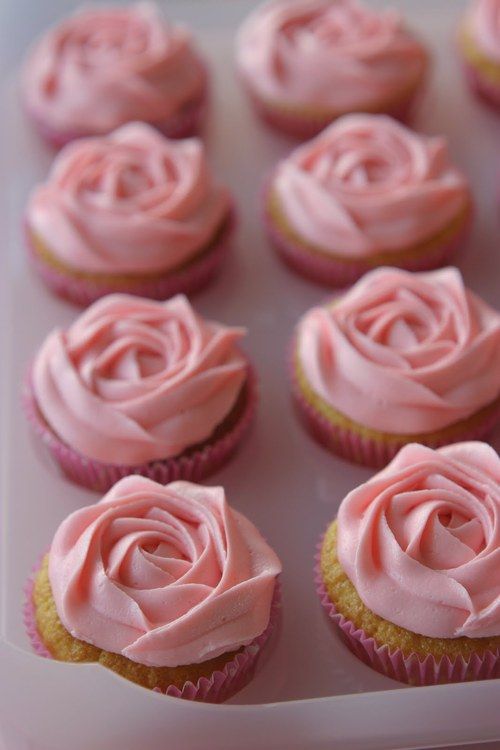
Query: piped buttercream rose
(132, 381)
(336, 54)
(132, 202)
(164, 575)
(369, 185)
(403, 353)
(421, 541)
(103, 67)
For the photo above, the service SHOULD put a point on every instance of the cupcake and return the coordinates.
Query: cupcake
(479, 46)
(366, 192)
(408, 570)
(400, 358)
(306, 62)
(140, 387)
(167, 586)
(105, 66)
(129, 212)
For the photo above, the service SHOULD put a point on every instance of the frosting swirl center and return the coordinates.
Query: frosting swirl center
(337, 26)
(118, 36)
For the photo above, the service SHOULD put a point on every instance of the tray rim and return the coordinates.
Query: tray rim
(463, 693)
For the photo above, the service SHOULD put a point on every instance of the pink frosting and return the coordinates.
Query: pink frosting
(134, 380)
(165, 575)
(421, 541)
(105, 66)
(483, 23)
(130, 202)
(403, 353)
(367, 185)
(330, 53)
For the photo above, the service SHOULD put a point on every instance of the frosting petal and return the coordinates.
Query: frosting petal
(165, 575)
(103, 67)
(328, 53)
(133, 380)
(483, 23)
(130, 202)
(421, 541)
(367, 185)
(403, 353)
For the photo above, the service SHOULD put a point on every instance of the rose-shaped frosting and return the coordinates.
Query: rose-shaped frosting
(130, 202)
(403, 353)
(483, 23)
(421, 541)
(103, 67)
(132, 380)
(165, 575)
(368, 185)
(328, 53)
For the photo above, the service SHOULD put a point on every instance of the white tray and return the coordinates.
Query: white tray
(312, 693)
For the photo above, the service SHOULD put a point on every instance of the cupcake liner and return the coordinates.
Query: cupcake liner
(305, 126)
(219, 687)
(413, 668)
(189, 122)
(189, 280)
(100, 477)
(362, 449)
(333, 272)
(485, 90)
(184, 124)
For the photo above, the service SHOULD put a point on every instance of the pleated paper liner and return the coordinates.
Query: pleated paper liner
(305, 123)
(219, 687)
(482, 87)
(332, 271)
(193, 465)
(83, 289)
(411, 668)
(364, 448)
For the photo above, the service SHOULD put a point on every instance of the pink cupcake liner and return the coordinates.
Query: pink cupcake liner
(188, 280)
(186, 123)
(331, 272)
(485, 90)
(361, 449)
(413, 668)
(100, 477)
(219, 687)
(304, 127)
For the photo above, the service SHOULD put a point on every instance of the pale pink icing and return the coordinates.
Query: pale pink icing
(483, 23)
(329, 53)
(165, 575)
(403, 353)
(130, 202)
(421, 541)
(132, 380)
(368, 185)
(105, 66)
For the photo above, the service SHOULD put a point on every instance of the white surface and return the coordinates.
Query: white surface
(286, 484)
